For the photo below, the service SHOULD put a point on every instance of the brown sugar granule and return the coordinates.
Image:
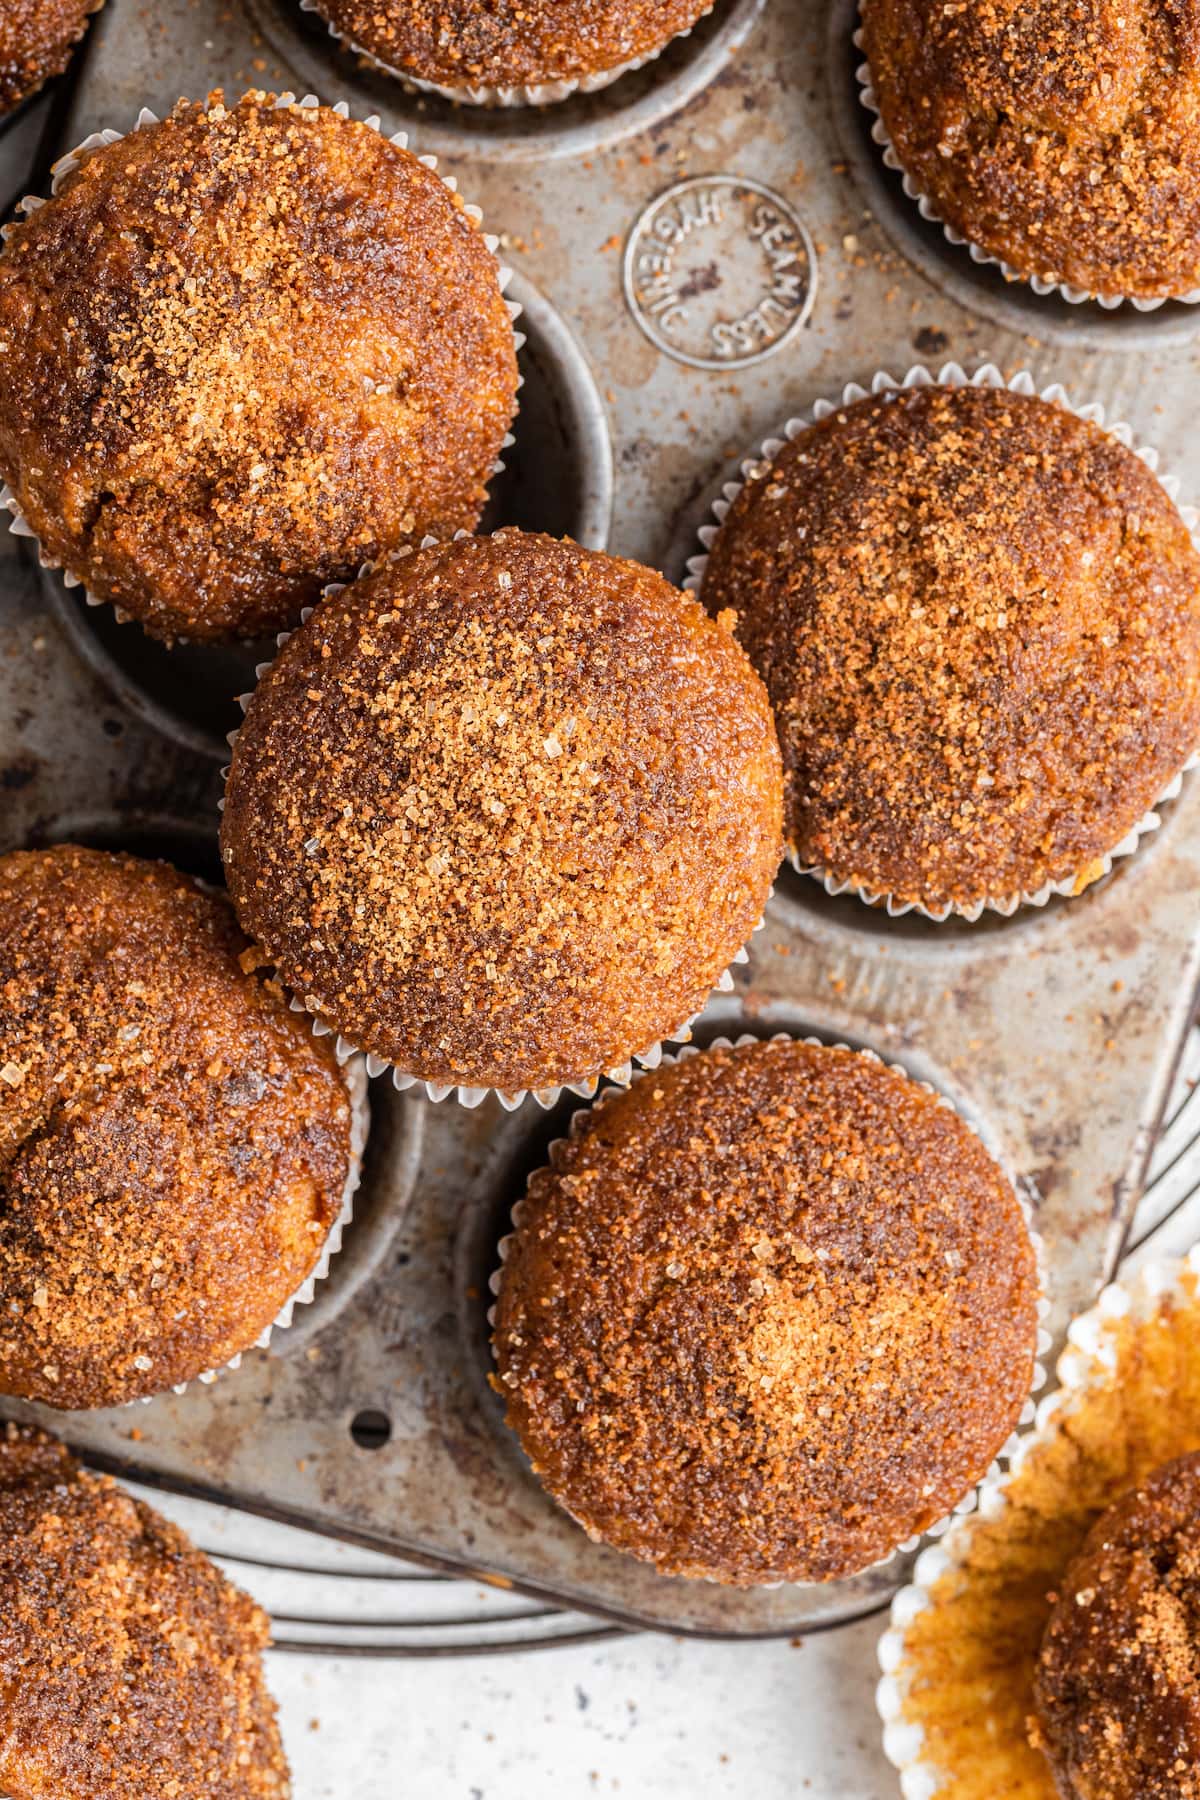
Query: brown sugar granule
(241, 352)
(130, 1669)
(1063, 139)
(174, 1143)
(970, 1655)
(1118, 1680)
(766, 1315)
(504, 811)
(37, 38)
(505, 43)
(978, 618)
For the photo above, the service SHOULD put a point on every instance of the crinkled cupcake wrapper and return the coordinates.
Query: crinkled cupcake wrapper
(510, 1098)
(66, 165)
(1089, 1357)
(968, 1502)
(354, 1074)
(1040, 284)
(542, 93)
(953, 375)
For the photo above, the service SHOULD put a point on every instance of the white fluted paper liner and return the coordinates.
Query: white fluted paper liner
(1040, 284)
(66, 165)
(1089, 1357)
(354, 1074)
(510, 1098)
(967, 1503)
(542, 93)
(757, 466)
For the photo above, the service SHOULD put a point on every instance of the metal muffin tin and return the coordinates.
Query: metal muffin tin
(1057, 1030)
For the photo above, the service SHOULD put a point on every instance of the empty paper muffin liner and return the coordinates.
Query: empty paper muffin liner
(757, 466)
(1127, 1399)
(354, 1074)
(546, 1097)
(542, 93)
(1076, 296)
(967, 1504)
(66, 165)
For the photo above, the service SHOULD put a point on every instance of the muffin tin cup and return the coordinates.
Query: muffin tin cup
(953, 375)
(66, 165)
(354, 1074)
(1075, 296)
(542, 93)
(967, 1503)
(1087, 1360)
(510, 1098)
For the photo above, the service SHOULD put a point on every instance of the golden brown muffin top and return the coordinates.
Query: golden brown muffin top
(1118, 1680)
(244, 350)
(129, 1666)
(174, 1143)
(508, 43)
(1063, 138)
(504, 811)
(766, 1314)
(36, 41)
(978, 618)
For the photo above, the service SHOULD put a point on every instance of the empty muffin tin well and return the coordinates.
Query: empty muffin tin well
(1057, 1030)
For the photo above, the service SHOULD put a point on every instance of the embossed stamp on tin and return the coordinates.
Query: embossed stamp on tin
(719, 272)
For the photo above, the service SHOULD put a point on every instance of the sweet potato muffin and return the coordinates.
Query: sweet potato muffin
(37, 39)
(174, 1143)
(767, 1314)
(510, 43)
(504, 811)
(246, 349)
(978, 618)
(130, 1669)
(1118, 1680)
(1062, 140)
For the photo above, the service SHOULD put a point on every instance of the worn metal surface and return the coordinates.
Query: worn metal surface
(1056, 1030)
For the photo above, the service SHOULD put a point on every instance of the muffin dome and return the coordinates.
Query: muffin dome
(1062, 140)
(978, 618)
(766, 1315)
(1118, 1679)
(504, 811)
(129, 1666)
(174, 1143)
(510, 43)
(246, 349)
(37, 38)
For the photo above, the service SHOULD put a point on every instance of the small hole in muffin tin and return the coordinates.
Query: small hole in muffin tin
(981, 288)
(370, 1429)
(576, 126)
(558, 478)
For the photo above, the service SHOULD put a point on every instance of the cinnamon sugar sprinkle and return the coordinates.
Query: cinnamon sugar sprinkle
(769, 1313)
(504, 811)
(971, 1653)
(37, 38)
(1118, 1681)
(1062, 139)
(129, 1666)
(174, 1143)
(502, 43)
(978, 618)
(244, 350)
